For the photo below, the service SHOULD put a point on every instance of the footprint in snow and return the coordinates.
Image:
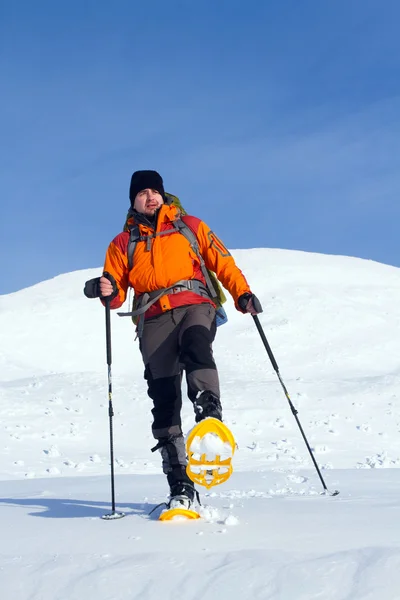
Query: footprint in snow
(298, 459)
(317, 423)
(53, 471)
(364, 427)
(280, 423)
(320, 449)
(52, 451)
(35, 384)
(297, 478)
(56, 400)
(272, 457)
(95, 458)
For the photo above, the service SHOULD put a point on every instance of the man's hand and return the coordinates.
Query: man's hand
(101, 287)
(249, 303)
(106, 287)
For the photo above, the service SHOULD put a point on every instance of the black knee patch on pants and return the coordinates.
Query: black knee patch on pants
(167, 401)
(196, 350)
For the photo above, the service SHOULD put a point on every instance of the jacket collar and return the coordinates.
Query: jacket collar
(164, 214)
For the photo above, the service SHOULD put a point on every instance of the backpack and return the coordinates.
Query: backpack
(213, 286)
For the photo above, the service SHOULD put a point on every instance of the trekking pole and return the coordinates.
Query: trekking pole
(292, 408)
(113, 514)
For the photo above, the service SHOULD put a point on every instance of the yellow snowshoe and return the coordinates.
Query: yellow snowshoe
(210, 447)
(178, 514)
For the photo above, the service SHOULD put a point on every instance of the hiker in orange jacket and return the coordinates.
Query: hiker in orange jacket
(178, 324)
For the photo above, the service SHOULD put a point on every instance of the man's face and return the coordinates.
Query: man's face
(147, 202)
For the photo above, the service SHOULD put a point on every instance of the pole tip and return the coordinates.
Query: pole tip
(113, 515)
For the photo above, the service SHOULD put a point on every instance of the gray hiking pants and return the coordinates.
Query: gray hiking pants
(178, 339)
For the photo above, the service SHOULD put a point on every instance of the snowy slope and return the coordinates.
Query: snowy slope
(333, 325)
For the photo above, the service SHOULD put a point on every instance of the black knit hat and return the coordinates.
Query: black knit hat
(142, 180)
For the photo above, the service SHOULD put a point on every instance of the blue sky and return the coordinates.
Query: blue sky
(278, 123)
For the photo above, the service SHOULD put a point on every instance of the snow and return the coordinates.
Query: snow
(268, 532)
(211, 445)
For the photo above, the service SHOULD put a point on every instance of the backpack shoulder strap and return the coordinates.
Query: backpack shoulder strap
(134, 237)
(191, 237)
(188, 233)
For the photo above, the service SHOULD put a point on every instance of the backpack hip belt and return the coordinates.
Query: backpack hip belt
(147, 299)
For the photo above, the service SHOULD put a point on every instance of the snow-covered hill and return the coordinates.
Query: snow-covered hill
(333, 325)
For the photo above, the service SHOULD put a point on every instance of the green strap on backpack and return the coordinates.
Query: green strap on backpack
(213, 285)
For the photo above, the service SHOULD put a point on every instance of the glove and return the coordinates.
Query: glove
(92, 287)
(249, 303)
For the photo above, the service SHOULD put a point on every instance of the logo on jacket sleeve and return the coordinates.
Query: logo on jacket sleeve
(216, 243)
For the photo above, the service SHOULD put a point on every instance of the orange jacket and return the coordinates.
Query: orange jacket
(169, 260)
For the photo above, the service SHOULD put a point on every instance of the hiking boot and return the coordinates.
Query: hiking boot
(182, 496)
(207, 405)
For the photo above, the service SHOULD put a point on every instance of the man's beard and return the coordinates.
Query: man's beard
(150, 212)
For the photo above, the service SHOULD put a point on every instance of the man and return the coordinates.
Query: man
(179, 315)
